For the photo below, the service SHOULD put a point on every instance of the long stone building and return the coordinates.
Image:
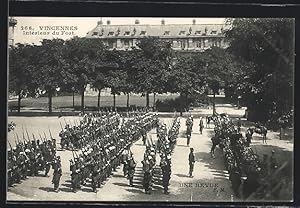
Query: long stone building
(184, 37)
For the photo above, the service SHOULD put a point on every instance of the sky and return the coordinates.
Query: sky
(82, 25)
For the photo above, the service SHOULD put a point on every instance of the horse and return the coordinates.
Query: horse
(208, 120)
(260, 129)
(216, 140)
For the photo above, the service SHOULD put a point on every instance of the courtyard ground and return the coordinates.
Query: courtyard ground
(210, 181)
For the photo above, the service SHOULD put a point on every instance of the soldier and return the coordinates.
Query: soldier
(56, 165)
(49, 156)
(249, 136)
(166, 172)
(189, 127)
(75, 174)
(125, 155)
(95, 177)
(239, 124)
(201, 125)
(131, 169)
(191, 162)
(147, 176)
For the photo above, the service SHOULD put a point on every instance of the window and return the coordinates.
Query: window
(110, 43)
(182, 44)
(182, 32)
(127, 33)
(126, 43)
(213, 32)
(198, 32)
(143, 33)
(110, 33)
(198, 43)
(167, 33)
(95, 33)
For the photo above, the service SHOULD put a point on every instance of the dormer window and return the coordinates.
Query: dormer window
(95, 33)
(143, 33)
(127, 33)
(198, 32)
(167, 33)
(110, 33)
(182, 32)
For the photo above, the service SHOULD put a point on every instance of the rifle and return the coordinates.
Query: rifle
(33, 137)
(65, 121)
(27, 135)
(15, 139)
(24, 140)
(151, 140)
(61, 127)
(40, 136)
(10, 146)
(50, 133)
(45, 136)
(18, 139)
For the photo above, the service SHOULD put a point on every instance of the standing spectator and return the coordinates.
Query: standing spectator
(201, 125)
(191, 161)
(57, 173)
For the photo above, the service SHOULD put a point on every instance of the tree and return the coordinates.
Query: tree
(126, 62)
(83, 56)
(186, 78)
(268, 43)
(220, 69)
(21, 58)
(152, 66)
(49, 68)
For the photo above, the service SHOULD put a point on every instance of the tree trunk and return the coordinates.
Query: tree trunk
(154, 107)
(187, 102)
(73, 100)
(181, 97)
(19, 100)
(214, 103)
(114, 95)
(147, 99)
(99, 94)
(82, 100)
(50, 100)
(127, 101)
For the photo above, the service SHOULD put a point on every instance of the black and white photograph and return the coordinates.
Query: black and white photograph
(150, 109)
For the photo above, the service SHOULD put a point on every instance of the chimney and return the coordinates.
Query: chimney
(99, 22)
(137, 22)
(163, 22)
(108, 22)
(194, 21)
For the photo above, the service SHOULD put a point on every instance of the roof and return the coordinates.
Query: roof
(162, 31)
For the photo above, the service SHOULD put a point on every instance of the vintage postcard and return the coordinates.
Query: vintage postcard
(150, 109)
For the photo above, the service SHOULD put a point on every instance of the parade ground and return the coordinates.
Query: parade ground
(210, 181)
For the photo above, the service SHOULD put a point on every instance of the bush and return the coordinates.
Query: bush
(172, 105)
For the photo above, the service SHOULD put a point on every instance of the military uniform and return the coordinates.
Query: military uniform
(57, 173)
(191, 162)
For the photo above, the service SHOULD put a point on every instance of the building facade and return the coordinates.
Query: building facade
(184, 37)
(11, 29)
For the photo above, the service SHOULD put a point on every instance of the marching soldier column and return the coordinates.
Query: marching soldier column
(164, 146)
(104, 148)
(246, 172)
(30, 156)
